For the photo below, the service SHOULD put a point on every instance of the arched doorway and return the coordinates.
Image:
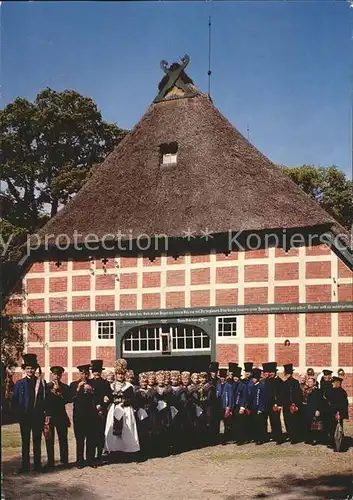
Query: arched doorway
(171, 346)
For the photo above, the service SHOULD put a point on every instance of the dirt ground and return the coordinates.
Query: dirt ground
(230, 472)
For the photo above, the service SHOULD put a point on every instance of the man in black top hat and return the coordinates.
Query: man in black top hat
(337, 407)
(213, 370)
(102, 397)
(292, 403)
(248, 382)
(29, 403)
(275, 400)
(326, 387)
(258, 405)
(58, 397)
(84, 417)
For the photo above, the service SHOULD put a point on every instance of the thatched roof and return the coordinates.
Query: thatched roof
(221, 182)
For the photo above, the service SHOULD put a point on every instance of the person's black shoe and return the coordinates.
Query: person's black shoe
(80, 465)
(93, 465)
(48, 467)
(38, 468)
(23, 470)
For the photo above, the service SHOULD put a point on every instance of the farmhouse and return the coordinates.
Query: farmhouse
(188, 245)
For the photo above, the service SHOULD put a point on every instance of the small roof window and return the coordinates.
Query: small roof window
(169, 158)
(168, 153)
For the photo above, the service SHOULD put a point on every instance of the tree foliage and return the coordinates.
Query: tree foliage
(12, 342)
(329, 186)
(48, 148)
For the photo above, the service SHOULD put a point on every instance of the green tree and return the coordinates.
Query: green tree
(329, 186)
(48, 149)
(12, 341)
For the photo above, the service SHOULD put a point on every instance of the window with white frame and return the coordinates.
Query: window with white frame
(189, 337)
(180, 338)
(227, 326)
(105, 330)
(142, 339)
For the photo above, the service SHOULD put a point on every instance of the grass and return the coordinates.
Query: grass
(10, 436)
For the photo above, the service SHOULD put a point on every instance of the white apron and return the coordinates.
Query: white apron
(128, 441)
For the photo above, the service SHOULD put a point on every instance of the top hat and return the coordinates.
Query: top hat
(256, 373)
(248, 366)
(59, 370)
(232, 367)
(269, 367)
(97, 365)
(223, 372)
(29, 360)
(237, 371)
(288, 369)
(213, 368)
(83, 368)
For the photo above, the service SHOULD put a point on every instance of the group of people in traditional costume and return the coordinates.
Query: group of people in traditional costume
(171, 411)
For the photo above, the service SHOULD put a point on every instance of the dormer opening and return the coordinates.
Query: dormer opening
(168, 154)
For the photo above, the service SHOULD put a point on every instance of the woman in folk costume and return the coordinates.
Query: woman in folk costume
(163, 416)
(189, 410)
(110, 377)
(208, 402)
(145, 413)
(196, 410)
(151, 378)
(121, 429)
(130, 377)
(177, 410)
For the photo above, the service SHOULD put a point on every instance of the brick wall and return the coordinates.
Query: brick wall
(318, 354)
(256, 273)
(81, 355)
(318, 325)
(257, 353)
(58, 331)
(227, 353)
(175, 299)
(199, 281)
(256, 325)
(151, 280)
(287, 325)
(58, 284)
(287, 354)
(35, 285)
(81, 330)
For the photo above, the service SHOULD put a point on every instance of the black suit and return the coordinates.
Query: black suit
(59, 420)
(84, 418)
(292, 395)
(101, 389)
(30, 409)
(337, 402)
(275, 397)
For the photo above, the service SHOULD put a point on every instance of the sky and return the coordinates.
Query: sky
(282, 68)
